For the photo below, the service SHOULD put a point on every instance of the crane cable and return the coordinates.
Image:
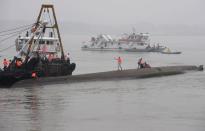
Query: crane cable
(2, 40)
(51, 21)
(16, 33)
(16, 28)
(2, 50)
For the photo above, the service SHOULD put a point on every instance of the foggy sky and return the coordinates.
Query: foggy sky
(111, 12)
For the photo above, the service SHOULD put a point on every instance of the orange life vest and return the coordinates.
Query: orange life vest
(50, 57)
(119, 60)
(18, 63)
(33, 75)
(5, 63)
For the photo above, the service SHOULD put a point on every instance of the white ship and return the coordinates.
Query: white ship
(133, 43)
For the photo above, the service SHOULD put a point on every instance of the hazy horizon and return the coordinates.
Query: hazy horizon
(187, 12)
(182, 17)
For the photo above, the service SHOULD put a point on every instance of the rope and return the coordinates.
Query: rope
(7, 48)
(51, 22)
(16, 31)
(7, 38)
(15, 28)
(10, 47)
(2, 50)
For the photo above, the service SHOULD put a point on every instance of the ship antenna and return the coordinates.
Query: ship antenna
(133, 30)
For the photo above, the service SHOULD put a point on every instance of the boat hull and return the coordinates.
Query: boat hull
(102, 49)
(111, 75)
(171, 52)
(124, 49)
(9, 77)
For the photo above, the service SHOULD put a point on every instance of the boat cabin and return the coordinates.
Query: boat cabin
(44, 44)
(141, 38)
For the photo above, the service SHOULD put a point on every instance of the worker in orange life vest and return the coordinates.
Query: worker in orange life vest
(119, 62)
(139, 63)
(5, 63)
(50, 57)
(34, 75)
(18, 63)
(67, 58)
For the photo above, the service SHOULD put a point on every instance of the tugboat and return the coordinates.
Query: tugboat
(39, 53)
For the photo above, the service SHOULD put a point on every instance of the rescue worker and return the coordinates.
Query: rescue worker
(19, 63)
(67, 58)
(146, 65)
(9, 62)
(27, 34)
(119, 62)
(143, 64)
(5, 63)
(139, 63)
(33, 75)
(50, 57)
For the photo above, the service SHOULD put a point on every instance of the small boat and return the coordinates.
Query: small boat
(168, 51)
(147, 48)
(175, 52)
(40, 52)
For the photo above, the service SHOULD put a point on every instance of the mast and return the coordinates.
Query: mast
(54, 26)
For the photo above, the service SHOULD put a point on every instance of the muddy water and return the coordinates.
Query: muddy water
(153, 104)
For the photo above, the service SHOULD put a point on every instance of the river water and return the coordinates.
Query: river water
(171, 103)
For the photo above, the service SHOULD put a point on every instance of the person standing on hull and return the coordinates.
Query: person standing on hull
(67, 58)
(119, 62)
(139, 63)
(142, 64)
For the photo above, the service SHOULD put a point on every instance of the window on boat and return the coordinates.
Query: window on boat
(51, 42)
(51, 34)
(41, 42)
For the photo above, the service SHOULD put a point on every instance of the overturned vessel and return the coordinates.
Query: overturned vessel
(112, 75)
(39, 53)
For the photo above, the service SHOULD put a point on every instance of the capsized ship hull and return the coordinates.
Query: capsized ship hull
(112, 75)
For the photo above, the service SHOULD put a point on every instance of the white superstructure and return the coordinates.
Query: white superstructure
(133, 42)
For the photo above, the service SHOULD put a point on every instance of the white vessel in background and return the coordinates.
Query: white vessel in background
(102, 42)
(140, 39)
(132, 43)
